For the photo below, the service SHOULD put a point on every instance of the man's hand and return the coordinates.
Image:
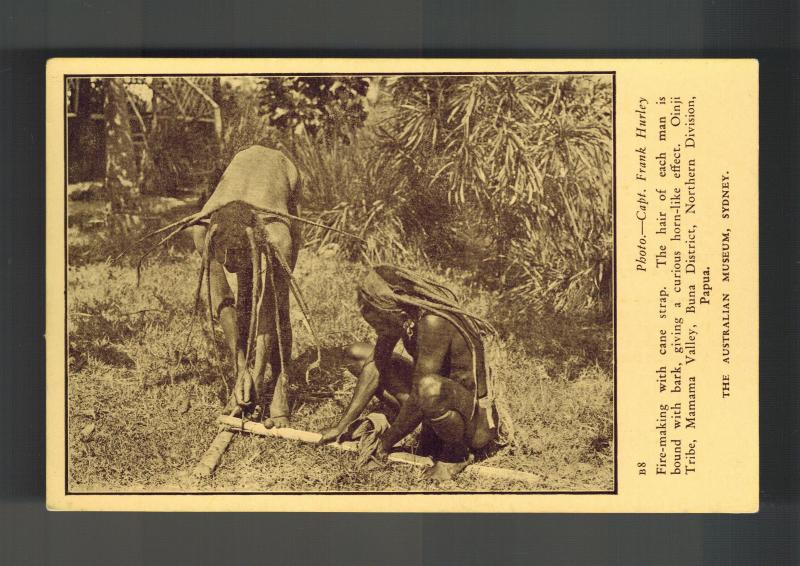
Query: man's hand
(381, 453)
(245, 389)
(330, 434)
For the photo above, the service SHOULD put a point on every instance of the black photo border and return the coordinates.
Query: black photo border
(613, 491)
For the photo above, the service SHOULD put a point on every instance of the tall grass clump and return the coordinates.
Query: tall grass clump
(348, 186)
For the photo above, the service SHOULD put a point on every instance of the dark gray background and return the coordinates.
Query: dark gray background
(33, 30)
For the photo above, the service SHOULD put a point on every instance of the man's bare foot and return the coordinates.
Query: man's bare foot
(230, 406)
(279, 407)
(443, 471)
(281, 421)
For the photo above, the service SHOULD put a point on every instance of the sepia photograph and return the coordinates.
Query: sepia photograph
(348, 284)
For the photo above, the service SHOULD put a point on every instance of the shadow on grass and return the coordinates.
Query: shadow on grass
(190, 367)
(323, 382)
(98, 329)
(565, 344)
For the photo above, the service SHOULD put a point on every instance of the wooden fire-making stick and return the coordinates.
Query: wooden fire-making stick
(231, 424)
(205, 467)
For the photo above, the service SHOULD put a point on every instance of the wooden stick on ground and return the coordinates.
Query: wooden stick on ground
(489, 472)
(252, 427)
(205, 467)
(210, 460)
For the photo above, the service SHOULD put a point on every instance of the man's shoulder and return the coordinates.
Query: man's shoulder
(434, 324)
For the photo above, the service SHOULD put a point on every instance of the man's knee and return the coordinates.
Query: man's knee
(429, 392)
(360, 350)
(357, 355)
(223, 303)
(437, 408)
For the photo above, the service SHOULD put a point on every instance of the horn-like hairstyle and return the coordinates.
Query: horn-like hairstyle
(388, 286)
(285, 215)
(178, 225)
(151, 249)
(203, 215)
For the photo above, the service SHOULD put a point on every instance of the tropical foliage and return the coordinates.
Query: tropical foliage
(512, 171)
(506, 176)
(331, 107)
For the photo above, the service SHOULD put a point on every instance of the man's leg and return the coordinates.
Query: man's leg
(223, 304)
(447, 407)
(281, 353)
(394, 387)
(281, 239)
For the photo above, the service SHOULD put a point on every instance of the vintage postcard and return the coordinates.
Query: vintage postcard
(397, 285)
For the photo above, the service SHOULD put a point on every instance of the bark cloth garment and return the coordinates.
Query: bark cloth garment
(259, 176)
(367, 432)
(265, 178)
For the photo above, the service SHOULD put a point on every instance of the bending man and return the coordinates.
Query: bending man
(445, 386)
(257, 178)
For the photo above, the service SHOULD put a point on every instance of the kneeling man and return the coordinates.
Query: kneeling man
(445, 386)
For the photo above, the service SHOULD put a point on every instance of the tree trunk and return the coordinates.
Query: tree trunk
(161, 177)
(210, 183)
(121, 176)
(86, 150)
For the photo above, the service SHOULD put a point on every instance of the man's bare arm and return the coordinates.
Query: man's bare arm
(434, 335)
(433, 342)
(367, 385)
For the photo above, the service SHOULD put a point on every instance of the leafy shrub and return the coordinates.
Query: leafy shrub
(329, 107)
(348, 187)
(528, 161)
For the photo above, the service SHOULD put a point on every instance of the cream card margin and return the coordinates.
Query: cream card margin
(729, 482)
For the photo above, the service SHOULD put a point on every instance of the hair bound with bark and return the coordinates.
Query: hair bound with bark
(394, 289)
(233, 219)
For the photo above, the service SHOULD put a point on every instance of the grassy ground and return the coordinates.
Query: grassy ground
(145, 385)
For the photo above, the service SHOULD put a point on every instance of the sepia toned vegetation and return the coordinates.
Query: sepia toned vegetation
(500, 186)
